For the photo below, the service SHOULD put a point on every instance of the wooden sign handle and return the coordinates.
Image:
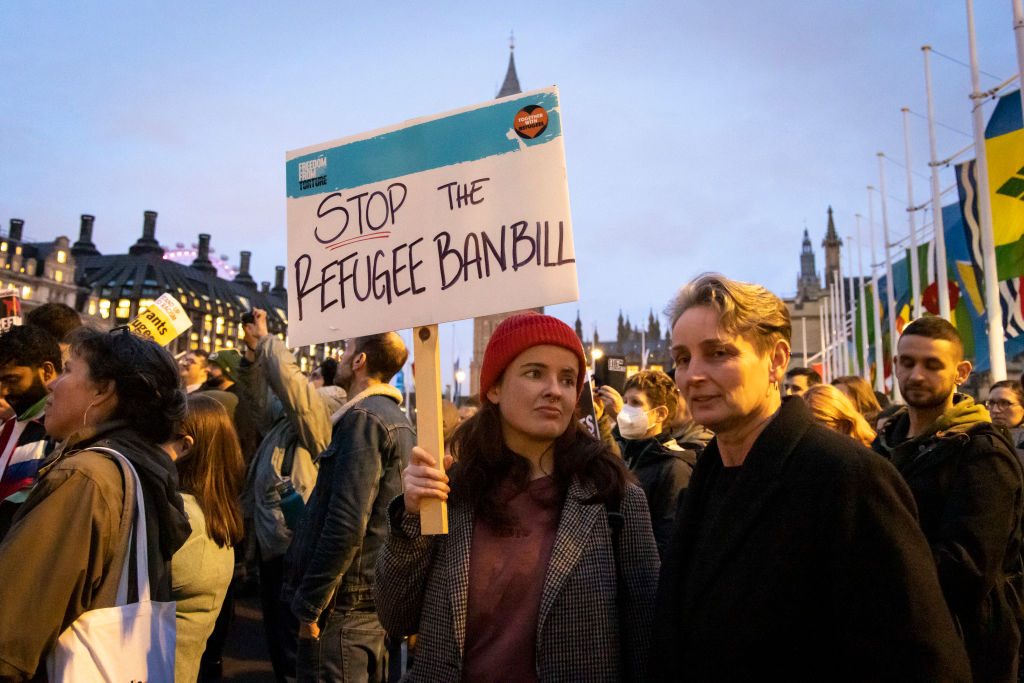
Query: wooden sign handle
(429, 431)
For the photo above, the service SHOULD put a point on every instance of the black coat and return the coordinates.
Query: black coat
(814, 569)
(968, 485)
(663, 473)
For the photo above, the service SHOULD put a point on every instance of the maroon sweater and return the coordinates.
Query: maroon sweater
(507, 567)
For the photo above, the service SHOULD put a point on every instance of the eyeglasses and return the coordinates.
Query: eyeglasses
(1000, 404)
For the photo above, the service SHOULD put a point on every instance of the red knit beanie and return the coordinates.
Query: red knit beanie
(519, 332)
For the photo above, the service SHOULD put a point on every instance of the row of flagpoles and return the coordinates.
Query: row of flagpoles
(838, 322)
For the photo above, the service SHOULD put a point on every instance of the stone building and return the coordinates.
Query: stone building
(41, 272)
(111, 289)
(807, 307)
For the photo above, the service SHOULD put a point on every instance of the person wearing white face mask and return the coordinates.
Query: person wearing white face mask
(660, 465)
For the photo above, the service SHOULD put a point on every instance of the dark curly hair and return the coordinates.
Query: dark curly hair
(146, 379)
(29, 346)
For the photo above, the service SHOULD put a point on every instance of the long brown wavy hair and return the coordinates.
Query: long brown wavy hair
(485, 468)
(212, 470)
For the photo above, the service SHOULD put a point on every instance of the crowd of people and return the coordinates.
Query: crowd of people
(739, 520)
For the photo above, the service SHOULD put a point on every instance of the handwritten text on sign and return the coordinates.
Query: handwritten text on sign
(444, 218)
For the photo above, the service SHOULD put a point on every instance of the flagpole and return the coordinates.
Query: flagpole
(840, 312)
(915, 265)
(1018, 33)
(865, 366)
(852, 313)
(941, 265)
(875, 301)
(837, 350)
(826, 348)
(890, 291)
(993, 310)
(803, 330)
(821, 333)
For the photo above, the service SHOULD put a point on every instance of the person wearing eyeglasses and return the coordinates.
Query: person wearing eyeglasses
(1006, 405)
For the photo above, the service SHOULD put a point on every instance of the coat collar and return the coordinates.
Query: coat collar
(758, 481)
(576, 525)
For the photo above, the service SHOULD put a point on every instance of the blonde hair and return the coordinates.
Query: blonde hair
(863, 397)
(744, 309)
(832, 408)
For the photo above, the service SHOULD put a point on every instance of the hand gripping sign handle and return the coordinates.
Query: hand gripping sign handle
(427, 376)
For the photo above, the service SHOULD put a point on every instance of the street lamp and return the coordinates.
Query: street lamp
(459, 377)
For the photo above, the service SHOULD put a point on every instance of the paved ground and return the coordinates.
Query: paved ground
(245, 653)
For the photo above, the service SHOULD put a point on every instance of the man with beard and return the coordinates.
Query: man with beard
(29, 359)
(330, 563)
(968, 486)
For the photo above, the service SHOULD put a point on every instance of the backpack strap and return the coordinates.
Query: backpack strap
(289, 459)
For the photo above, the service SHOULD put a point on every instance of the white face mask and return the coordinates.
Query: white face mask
(633, 422)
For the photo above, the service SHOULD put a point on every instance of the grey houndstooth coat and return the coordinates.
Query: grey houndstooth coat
(422, 586)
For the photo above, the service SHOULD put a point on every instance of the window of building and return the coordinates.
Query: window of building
(62, 257)
(58, 275)
(104, 308)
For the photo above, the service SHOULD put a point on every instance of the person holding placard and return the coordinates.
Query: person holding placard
(550, 563)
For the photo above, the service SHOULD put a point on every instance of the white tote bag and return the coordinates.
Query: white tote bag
(127, 642)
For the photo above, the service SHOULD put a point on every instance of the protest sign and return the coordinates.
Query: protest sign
(162, 321)
(441, 218)
(10, 309)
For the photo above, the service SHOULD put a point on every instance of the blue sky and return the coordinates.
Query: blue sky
(699, 136)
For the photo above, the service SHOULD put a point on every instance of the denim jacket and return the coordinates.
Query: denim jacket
(330, 563)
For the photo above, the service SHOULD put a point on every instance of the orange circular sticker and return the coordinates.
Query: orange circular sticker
(530, 121)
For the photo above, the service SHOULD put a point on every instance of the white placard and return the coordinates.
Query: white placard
(442, 218)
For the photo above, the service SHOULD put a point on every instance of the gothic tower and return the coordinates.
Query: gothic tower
(831, 244)
(808, 284)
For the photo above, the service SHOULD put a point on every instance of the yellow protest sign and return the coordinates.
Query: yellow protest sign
(162, 321)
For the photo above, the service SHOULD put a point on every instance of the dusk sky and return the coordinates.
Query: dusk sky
(698, 136)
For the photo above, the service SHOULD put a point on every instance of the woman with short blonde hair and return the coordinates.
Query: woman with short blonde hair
(797, 554)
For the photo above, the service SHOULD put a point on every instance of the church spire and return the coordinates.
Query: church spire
(807, 284)
(831, 244)
(511, 84)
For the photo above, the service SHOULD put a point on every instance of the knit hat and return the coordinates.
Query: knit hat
(227, 360)
(519, 332)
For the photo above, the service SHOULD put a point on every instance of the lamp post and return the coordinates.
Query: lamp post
(459, 377)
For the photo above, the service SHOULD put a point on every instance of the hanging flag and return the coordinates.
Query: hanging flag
(1004, 142)
(1010, 295)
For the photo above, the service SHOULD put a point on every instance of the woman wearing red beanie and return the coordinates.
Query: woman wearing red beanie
(549, 569)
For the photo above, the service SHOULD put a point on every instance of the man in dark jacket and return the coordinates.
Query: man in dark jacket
(969, 490)
(330, 563)
(662, 467)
